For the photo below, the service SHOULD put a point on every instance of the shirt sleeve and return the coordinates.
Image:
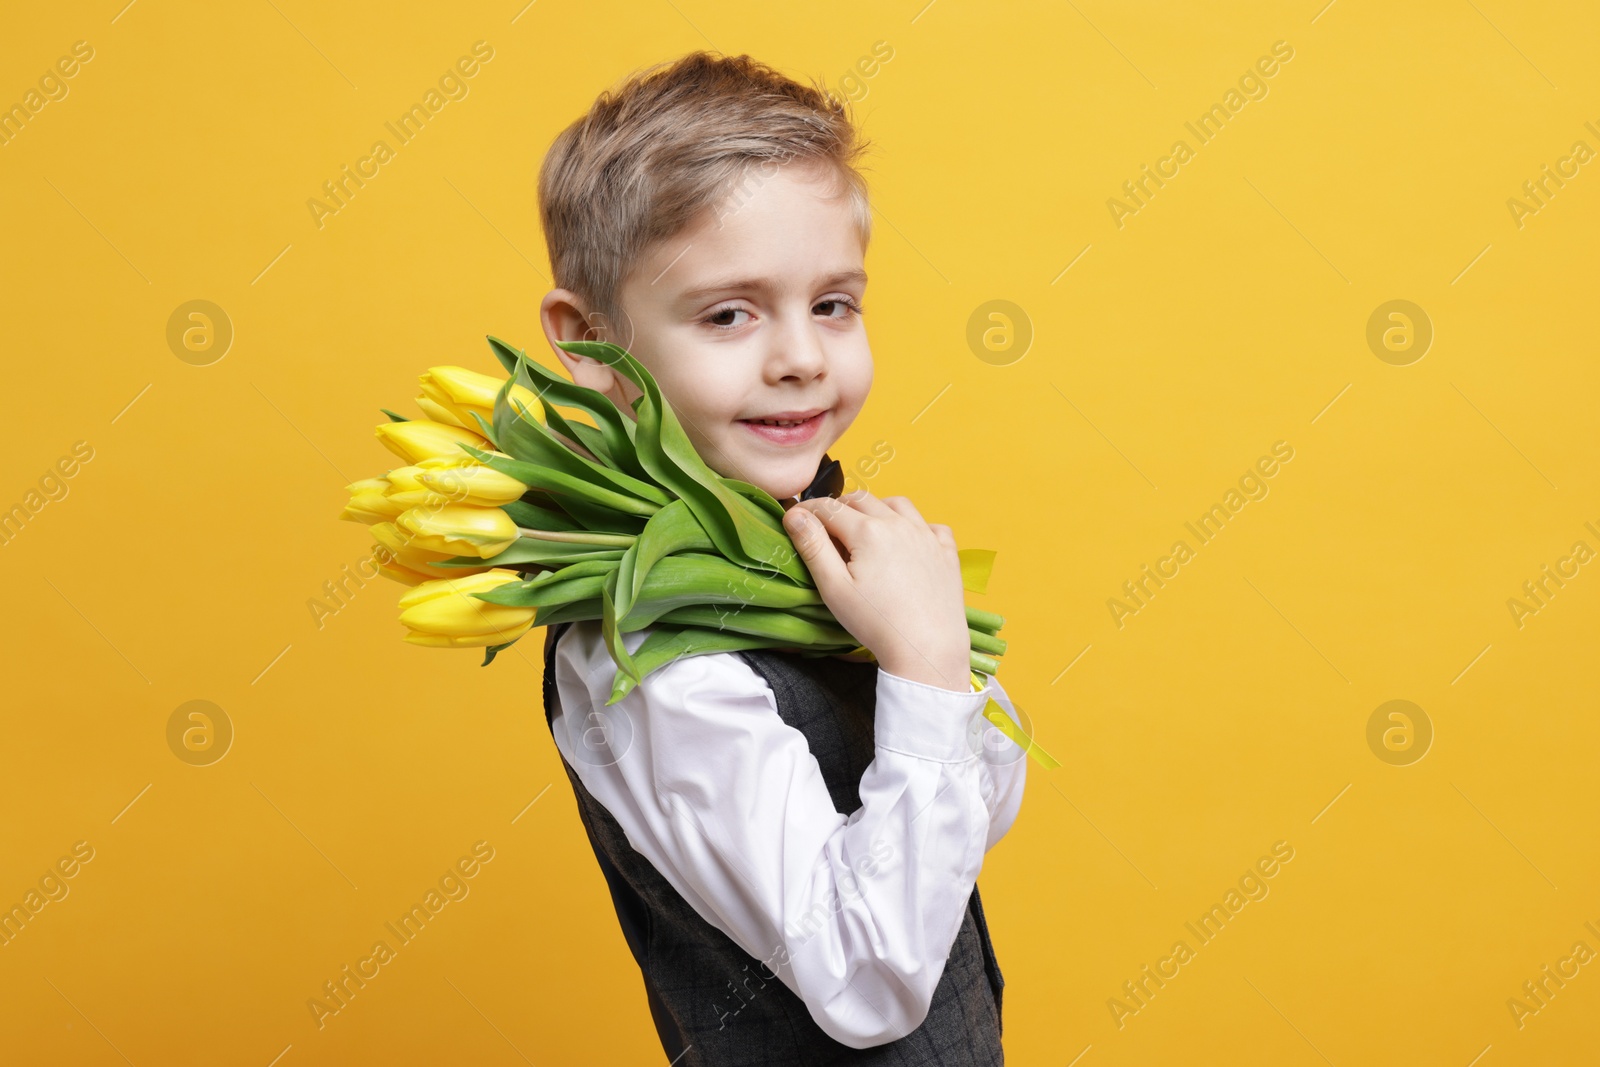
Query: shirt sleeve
(856, 913)
(1004, 769)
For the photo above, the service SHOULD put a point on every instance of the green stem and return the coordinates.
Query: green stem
(982, 642)
(987, 621)
(578, 537)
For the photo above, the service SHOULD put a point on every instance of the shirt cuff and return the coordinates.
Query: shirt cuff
(927, 721)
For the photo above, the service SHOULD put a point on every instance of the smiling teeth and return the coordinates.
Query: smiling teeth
(771, 422)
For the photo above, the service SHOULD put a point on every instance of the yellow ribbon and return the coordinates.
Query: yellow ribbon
(976, 566)
(1003, 722)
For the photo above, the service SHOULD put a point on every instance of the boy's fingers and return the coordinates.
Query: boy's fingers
(840, 519)
(816, 548)
(866, 503)
(904, 506)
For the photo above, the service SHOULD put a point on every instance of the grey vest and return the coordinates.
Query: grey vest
(714, 1004)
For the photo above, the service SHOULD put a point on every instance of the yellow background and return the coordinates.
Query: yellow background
(1228, 714)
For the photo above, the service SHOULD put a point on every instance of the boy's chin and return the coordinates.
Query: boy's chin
(784, 490)
(790, 481)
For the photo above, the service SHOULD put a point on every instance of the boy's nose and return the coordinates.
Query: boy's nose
(797, 352)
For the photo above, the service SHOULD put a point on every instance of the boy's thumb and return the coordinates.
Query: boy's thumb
(816, 548)
(806, 531)
(801, 525)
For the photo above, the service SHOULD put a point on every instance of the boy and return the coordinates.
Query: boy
(792, 844)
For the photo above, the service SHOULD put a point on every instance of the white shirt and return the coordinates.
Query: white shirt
(856, 913)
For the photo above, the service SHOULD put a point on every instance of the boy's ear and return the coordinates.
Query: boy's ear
(564, 317)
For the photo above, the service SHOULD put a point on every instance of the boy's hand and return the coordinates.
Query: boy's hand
(899, 591)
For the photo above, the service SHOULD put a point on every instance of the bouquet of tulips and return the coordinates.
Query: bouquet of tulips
(509, 514)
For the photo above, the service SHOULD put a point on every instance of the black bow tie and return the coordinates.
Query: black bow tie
(828, 482)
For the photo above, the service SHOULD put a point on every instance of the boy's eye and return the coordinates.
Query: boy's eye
(723, 317)
(838, 309)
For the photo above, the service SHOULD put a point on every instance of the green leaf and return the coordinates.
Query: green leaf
(590, 439)
(533, 517)
(697, 578)
(580, 514)
(526, 439)
(535, 475)
(554, 589)
(615, 430)
(613, 637)
(577, 611)
(536, 594)
(485, 428)
(460, 561)
(393, 417)
(785, 628)
(666, 644)
(672, 529)
(583, 569)
(533, 550)
(819, 612)
(758, 496)
(601, 519)
(579, 433)
(505, 354)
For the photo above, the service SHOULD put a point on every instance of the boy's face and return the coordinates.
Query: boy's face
(749, 314)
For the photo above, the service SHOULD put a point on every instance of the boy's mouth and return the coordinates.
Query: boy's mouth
(787, 427)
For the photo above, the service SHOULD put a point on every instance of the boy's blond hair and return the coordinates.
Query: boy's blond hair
(674, 140)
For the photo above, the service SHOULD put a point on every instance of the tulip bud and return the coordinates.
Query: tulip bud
(459, 529)
(419, 439)
(390, 566)
(452, 394)
(407, 491)
(369, 502)
(471, 483)
(404, 551)
(445, 614)
(439, 463)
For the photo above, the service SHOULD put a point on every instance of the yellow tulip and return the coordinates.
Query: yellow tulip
(459, 529)
(405, 488)
(452, 394)
(471, 483)
(405, 553)
(440, 463)
(420, 439)
(445, 614)
(370, 503)
(399, 572)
